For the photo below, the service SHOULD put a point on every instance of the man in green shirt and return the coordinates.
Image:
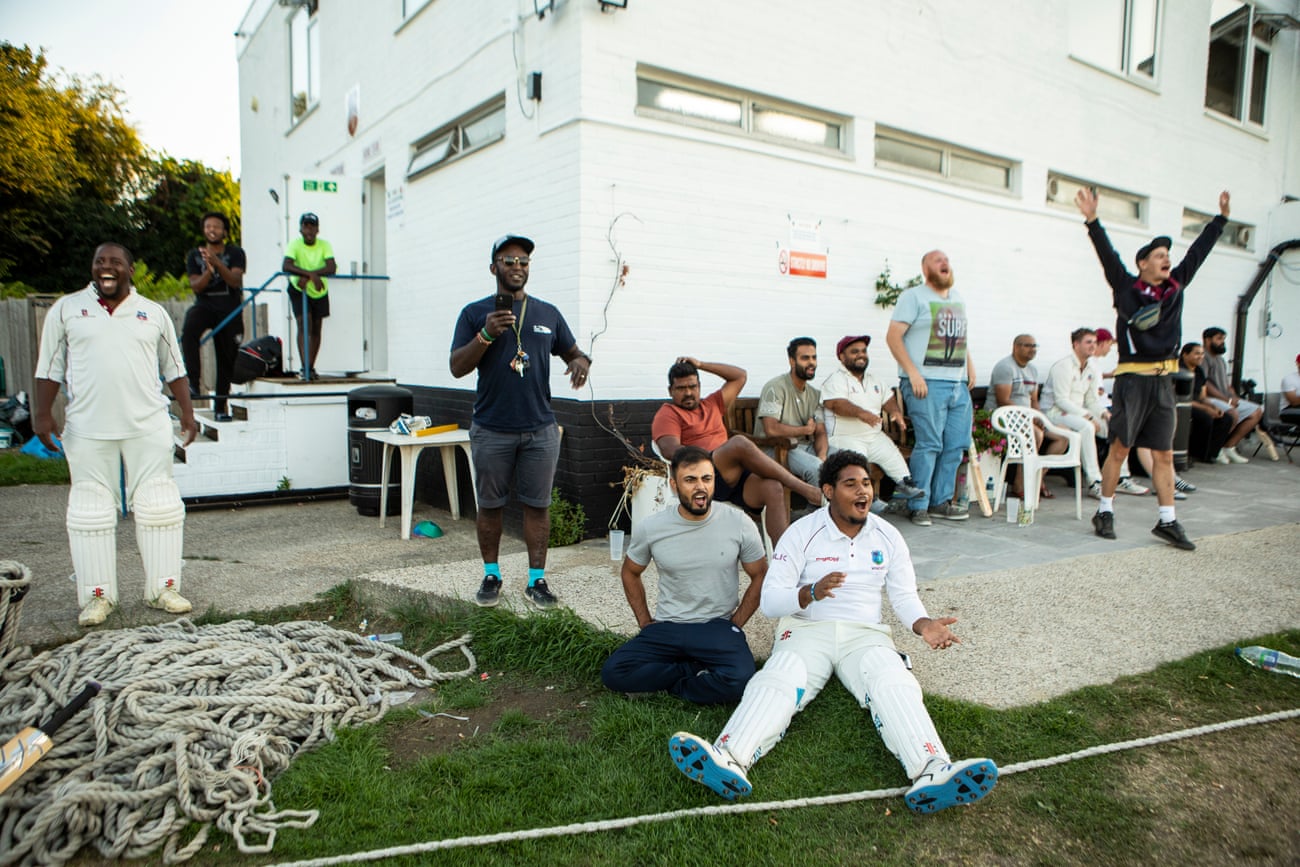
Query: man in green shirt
(311, 259)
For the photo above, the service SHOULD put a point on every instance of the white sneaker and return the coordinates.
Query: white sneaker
(171, 602)
(946, 784)
(1128, 486)
(1094, 490)
(95, 612)
(1233, 456)
(1221, 458)
(703, 762)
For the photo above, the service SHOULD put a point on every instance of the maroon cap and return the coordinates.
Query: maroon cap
(1103, 334)
(845, 341)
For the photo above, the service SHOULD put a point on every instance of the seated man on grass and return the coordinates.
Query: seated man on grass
(825, 588)
(744, 475)
(694, 647)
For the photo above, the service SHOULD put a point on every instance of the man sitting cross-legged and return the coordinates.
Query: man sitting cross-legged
(745, 476)
(694, 646)
(824, 583)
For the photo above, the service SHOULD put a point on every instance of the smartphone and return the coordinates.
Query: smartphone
(505, 303)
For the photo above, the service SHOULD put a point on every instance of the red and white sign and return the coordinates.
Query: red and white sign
(807, 264)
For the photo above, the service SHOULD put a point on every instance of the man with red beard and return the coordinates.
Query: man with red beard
(694, 646)
(825, 585)
(107, 348)
(927, 336)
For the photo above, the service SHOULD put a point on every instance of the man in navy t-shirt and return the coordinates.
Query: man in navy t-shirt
(509, 339)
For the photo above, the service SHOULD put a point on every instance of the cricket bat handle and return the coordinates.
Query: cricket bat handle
(29, 745)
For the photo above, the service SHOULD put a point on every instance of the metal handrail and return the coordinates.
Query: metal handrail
(252, 296)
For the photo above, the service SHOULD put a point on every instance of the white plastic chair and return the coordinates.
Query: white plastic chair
(1017, 423)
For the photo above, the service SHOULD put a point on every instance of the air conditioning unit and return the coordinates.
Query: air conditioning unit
(1244, 235)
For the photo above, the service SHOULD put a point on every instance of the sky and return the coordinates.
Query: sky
(174, 61)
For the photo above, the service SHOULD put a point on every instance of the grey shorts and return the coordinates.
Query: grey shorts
(526, 459)
(1142, 412)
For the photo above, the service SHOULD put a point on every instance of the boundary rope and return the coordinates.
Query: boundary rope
(760, 806)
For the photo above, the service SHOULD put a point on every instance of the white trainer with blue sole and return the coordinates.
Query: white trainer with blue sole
(705, 763)
(947, 784)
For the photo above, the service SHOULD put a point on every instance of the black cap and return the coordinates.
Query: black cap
(309, 217)
(512, 239)
(1156, 243)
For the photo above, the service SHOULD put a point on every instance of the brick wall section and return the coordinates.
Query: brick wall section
(591, 459)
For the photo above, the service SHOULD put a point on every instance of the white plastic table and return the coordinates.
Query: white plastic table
(410, 447)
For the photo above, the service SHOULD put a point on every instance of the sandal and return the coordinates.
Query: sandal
(1045, 493)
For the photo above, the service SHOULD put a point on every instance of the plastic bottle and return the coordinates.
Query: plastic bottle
(394, 638)
(1270, 660)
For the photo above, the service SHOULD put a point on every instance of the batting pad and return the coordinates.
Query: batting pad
(92, 539)
(771, 699)
(897, 708)
(160, 533)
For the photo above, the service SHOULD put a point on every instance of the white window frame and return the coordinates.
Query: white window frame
(304, 95)
(1061, 189)
(749, 114)
(1253, 45)
(452, 141)
(1129, 67)
(948, 155)
(1238, 235)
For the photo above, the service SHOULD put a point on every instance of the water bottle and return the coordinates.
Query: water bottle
(1270, 660)
(393, 638)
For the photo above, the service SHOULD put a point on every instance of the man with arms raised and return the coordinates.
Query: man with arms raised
(824, 584)
(1149, 333)
(694, 646)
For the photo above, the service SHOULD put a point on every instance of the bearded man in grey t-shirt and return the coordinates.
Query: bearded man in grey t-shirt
(694, 646)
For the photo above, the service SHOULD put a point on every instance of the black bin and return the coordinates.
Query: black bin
(372, 408)
(1184, 384)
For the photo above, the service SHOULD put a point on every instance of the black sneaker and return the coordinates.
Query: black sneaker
(1172, 532)
(541, 596)
(489, 592)
(1103, 524)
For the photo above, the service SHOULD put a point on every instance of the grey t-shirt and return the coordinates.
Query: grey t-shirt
(696, 561)
(785, 403)
(1023, 382)
(935, 338)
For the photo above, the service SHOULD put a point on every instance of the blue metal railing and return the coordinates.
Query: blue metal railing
(266, 287)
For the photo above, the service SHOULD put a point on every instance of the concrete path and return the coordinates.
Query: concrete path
(1043, 609)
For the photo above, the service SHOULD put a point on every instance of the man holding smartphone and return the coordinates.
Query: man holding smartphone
(509, 339)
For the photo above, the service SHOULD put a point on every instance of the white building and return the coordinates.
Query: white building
(756, 165)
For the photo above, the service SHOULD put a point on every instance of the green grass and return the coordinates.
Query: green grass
(523, 773)
(17, 468)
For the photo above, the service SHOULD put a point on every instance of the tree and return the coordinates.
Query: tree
(178, 193)
(68, 166)
(74, 173)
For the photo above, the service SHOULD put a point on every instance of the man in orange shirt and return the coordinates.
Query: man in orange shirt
(745, 476)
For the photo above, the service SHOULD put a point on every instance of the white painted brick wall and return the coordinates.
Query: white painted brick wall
(711, 208)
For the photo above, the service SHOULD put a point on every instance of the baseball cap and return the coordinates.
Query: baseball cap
(846, 341)
(1156, 243)
(512, 239)
(1104, 335)
(309, 217)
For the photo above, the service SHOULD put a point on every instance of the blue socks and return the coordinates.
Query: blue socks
(535, 575)
(492, 570)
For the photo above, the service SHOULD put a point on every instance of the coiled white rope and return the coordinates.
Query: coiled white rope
(765, 806)
(15, 579)
(191, 725)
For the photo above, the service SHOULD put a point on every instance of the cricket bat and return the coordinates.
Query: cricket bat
(29, 745)
(981, 492)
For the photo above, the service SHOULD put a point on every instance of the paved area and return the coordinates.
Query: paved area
(1043, 609)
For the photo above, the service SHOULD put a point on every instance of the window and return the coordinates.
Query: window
(304, 60)
(900, 150)
(1112, 204)
(1236, 75)
(673, 97)
(468, 133)
(1239, 235)
(1118, 35)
